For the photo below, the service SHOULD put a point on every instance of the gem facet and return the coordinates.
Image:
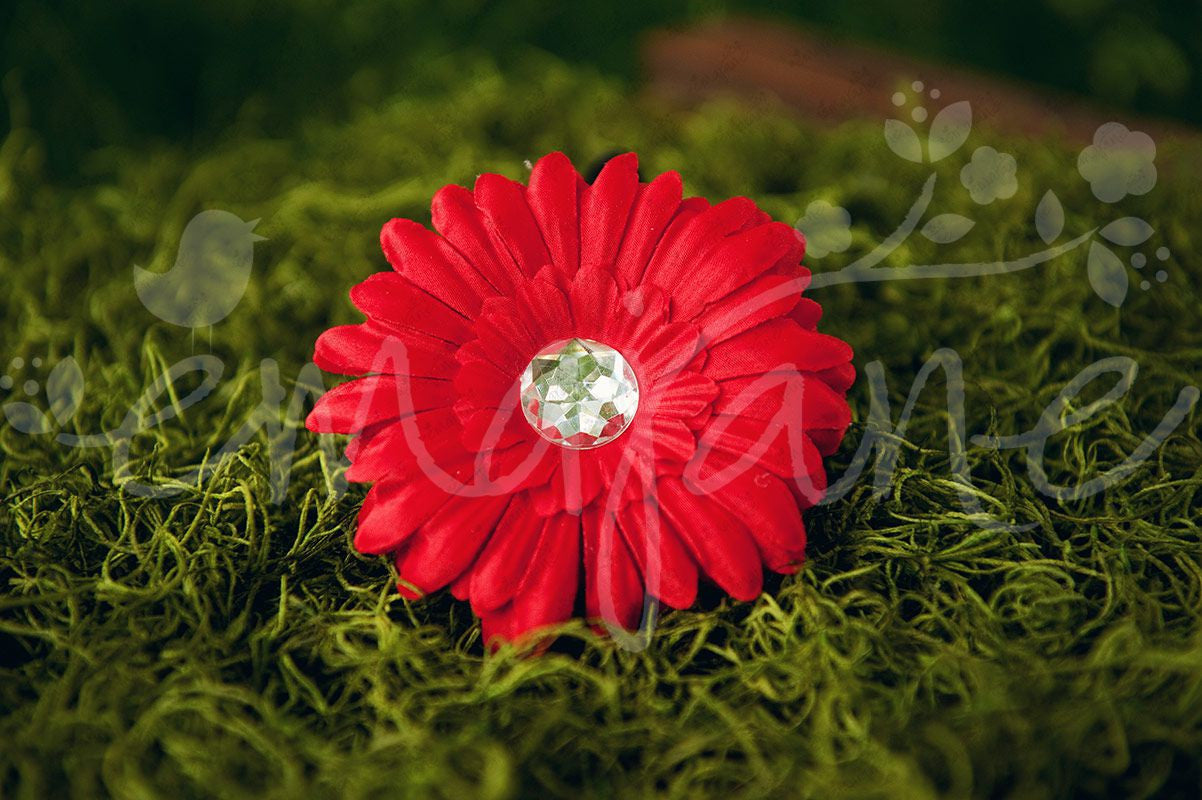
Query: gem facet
(579, 393)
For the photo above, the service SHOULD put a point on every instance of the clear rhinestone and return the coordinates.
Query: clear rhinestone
(579, 393)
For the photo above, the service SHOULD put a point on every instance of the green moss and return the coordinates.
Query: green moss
(216, 644)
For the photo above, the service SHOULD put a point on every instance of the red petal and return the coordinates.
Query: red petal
(828, 440)
(448, 542)
(669, 571)
(406, 448)
(392, 511)
(684, 395)
(460, 586)
(456, 217)
(367, 347)
(719, 542)
(765, 298)
(505, 335)
(840, 378)
(481, 382)
(503, 563)
(673, 440)
(549, 317)
(548, 591)
(613, 588)
(667, 352)
(393, 300)
(553, 195)
(354, 405)
(811, 401)
(496, 626)
(572, 486)
(733, 445)
(690, 208)
(689, 239)
(734, 262)
(629, 474)
(807, 313)
(493, 428)
(593, 297)
(433, 265)
(513, 469)
(776, 345)
(641, 314)
(605, 208)
(654, 207)
(503, 204)
(765, 505)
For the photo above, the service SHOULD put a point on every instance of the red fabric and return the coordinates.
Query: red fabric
(719, 542)
(605, 207)
(668, 569)
(740, 397)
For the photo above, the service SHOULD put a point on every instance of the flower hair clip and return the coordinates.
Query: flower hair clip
(579, 396)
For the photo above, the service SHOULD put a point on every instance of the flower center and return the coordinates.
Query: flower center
(579, 393)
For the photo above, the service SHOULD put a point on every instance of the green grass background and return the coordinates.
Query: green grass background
(217, 644)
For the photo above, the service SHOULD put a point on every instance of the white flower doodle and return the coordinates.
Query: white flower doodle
(990, 176)
(827, 228)
(1118, 163)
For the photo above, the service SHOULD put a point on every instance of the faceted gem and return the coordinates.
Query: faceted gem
(579, 393)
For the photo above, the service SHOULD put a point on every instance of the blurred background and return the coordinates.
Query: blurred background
(93, 74)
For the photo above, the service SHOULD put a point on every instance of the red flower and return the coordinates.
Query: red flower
(738, 397)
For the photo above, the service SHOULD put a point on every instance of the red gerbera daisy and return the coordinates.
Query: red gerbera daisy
(571, 375)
